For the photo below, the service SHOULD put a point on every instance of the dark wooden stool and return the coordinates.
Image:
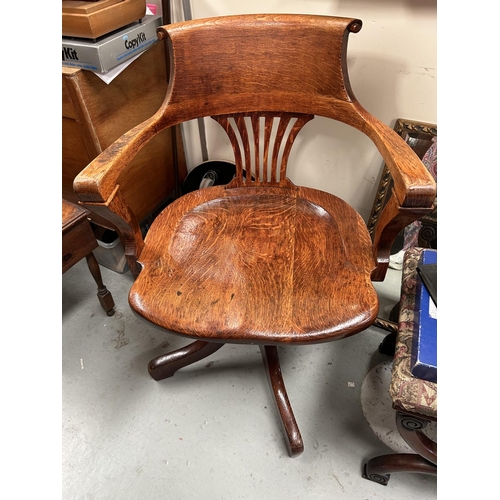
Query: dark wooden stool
(78, 241)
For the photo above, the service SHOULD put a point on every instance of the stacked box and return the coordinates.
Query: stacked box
(111, 50)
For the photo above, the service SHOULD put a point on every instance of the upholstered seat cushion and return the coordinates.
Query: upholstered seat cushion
(408, 392)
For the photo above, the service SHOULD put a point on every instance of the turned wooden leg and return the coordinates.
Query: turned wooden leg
(103, 294)
(378, 469)
(294, 441)
(388, 345)
(165, 366)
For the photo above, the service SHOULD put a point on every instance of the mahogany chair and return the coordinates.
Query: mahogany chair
(259, 260)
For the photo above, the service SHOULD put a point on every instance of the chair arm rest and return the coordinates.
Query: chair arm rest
(413, 184)
(98, 180)
(98, 184)
(413, 192)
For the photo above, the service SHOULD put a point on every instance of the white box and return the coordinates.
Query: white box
(109, 51)
(111, 255)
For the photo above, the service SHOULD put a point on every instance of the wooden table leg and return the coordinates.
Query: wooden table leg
(103, 294)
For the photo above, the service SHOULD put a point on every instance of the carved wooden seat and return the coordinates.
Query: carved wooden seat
(261, 260)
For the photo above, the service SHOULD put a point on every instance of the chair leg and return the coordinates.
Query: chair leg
(410, 428)
(103, 294)
(378, 469)
(166, 365)
(294, 441)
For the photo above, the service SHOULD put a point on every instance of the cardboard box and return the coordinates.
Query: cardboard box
(93, 19)
(109, 51)
(424, 346)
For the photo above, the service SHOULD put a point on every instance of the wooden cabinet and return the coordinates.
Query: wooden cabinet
(95, 114)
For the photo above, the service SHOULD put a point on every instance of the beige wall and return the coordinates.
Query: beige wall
(392, 68)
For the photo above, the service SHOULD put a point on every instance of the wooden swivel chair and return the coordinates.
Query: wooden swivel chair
(260, 260)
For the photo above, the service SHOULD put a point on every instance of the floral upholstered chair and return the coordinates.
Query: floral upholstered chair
(414, 399)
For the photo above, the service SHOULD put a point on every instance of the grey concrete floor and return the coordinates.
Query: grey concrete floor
(212, 431)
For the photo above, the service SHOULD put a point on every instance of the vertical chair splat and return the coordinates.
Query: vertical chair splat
(253, 136)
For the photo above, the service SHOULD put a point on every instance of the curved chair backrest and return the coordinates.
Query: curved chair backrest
(237, 64)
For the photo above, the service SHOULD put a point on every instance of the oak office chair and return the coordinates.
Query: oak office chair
(260, 260)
